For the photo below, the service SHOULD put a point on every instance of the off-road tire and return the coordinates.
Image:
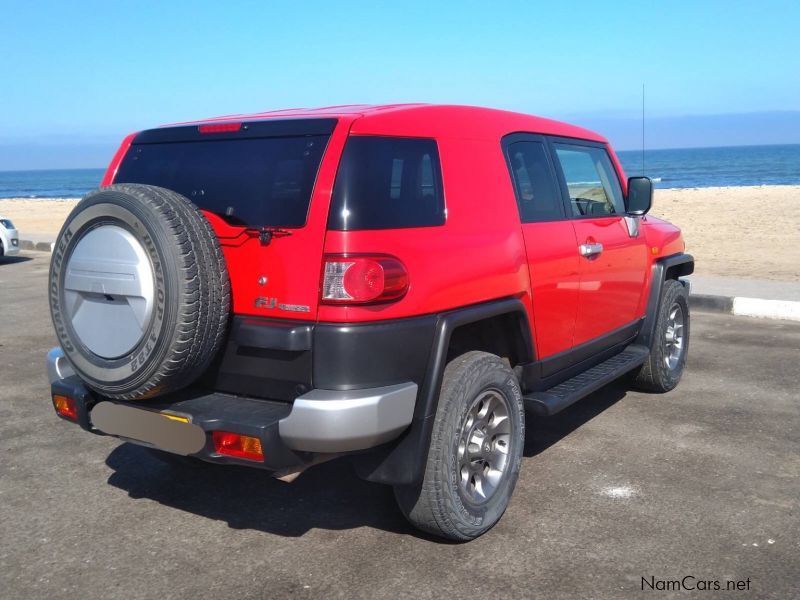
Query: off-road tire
(655, 375)
(192, 288)
(437, 505)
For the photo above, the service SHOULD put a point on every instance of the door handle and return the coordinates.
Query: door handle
(588, 250)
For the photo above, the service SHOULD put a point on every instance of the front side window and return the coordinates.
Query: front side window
(592, 182)
(538, 198)
(387, 183)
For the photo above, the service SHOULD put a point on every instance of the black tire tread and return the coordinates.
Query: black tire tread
(213, 282)
(653, 376)
(428, 508)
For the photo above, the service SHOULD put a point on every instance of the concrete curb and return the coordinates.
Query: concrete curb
(706, 303)
(788, 310)
(38, 246)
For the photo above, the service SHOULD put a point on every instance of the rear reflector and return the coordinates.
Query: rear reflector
(65, 407)
(363, 279)
(238, 446)
(219, 128)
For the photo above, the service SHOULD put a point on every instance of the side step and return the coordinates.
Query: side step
(559, 397)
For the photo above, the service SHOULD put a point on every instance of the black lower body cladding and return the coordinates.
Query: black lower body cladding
(282, 360)
(144, 262)
(350, 357)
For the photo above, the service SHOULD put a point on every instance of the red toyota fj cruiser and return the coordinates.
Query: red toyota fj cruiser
(401, 283)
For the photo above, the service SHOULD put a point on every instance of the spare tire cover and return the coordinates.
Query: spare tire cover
(139, 291)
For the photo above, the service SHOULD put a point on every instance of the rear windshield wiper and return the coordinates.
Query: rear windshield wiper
(265, 234)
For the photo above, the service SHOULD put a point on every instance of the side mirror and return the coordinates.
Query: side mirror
(640, 195)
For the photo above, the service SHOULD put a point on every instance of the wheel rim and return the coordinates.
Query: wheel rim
(484, 445)
(674, 336)
(109, 287)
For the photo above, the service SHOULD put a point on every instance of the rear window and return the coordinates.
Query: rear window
(387, 183)
(252, 182)
(6, 223)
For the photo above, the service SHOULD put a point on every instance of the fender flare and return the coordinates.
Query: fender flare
(403, 462)
(664, 268)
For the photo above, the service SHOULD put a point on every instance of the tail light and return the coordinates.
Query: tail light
(363, 279)
(65, 407)
(237, 445)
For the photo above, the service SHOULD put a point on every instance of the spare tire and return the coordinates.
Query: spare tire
(139, 291)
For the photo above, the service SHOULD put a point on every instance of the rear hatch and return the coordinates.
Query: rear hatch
(265, 188)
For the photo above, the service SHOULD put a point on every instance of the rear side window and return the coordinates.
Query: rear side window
(537, 196)
(592, 182)
(253, 182)
(387, 183)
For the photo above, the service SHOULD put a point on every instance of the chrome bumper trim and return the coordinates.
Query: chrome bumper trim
(343, 421)
(58, 366)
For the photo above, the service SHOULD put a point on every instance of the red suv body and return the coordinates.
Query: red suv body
(478, 257)
(371, 248)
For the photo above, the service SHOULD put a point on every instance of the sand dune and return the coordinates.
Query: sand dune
(751, 232)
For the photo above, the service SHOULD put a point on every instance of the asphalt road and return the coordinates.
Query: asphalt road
(701, 482)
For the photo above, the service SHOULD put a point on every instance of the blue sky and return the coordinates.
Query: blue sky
(79, 75)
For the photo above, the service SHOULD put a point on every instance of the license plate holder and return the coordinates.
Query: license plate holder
(148, 427)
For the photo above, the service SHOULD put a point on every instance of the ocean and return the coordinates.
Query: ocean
(686, 168)
(712, 167)
(61, 183)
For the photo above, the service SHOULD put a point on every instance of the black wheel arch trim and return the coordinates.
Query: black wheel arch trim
(449, 322)
(664, 268)
(403, 462)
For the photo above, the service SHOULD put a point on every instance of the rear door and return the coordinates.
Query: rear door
(265, 187)
(612, 259)
(550, 243)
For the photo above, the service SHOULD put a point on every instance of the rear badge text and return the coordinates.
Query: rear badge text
(264, 302)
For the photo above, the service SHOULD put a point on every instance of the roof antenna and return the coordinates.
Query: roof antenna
(642, 128)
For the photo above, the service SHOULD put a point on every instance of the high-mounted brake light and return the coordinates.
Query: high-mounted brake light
(237, 445)
(219, 128)
(363, 279)
(65, 407)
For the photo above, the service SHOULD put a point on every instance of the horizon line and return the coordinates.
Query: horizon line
(638, 150)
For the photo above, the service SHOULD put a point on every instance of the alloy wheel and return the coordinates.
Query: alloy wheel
(674, 337)
(483, 446)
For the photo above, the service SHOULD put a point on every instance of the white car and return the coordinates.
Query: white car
(9, 238)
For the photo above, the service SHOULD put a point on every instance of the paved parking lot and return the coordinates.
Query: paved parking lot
(701, 482)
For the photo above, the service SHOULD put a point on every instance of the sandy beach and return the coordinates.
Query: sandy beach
(742, 232)
(733, 232)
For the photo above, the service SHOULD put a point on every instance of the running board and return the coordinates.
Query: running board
(559, 397)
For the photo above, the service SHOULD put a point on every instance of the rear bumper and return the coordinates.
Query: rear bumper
(333, 421)
(317, 422)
